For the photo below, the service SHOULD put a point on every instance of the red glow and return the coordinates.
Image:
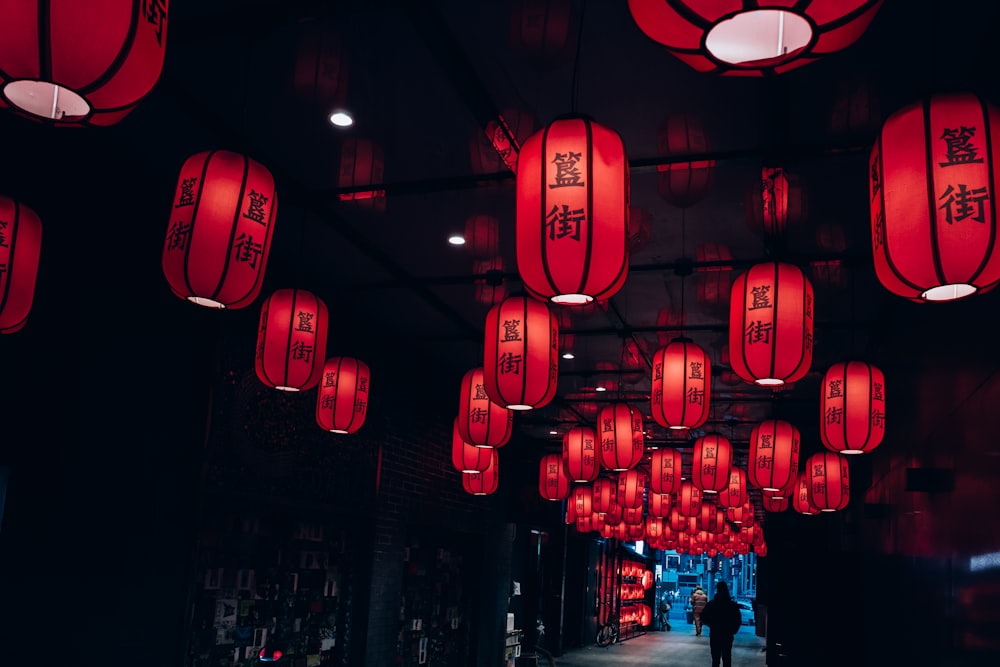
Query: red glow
(852, 407)
(19, 255)
(619, 448)
(665, 471)
(291, 340)
(735, 494)
(689, 500)
(713, 458)
(521, 354)
(466, 457)
(362, 163)
(552, 481)
(774, 454)
(486, 482)
(681, 385)
(342, 401)
(829, 481)
(683, 184)
(481, 422)
(579, 454)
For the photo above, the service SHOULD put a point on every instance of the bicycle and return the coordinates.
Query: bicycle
(541, 651)
(607, 634)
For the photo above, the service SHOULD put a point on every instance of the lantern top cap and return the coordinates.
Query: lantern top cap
(574, 115)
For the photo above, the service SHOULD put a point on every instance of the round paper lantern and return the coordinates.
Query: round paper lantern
(735, 494)
(342, 400)
(934, 172)
(711, 520)
(620, 449)
(665, 471)
(771, 324)
(632, 515)
(521, 354)
(654, 527)
(581, 499)
(852, 407)
(774, 454)
(615, 513)
(291, 340)
(800, 500)
(572, 212)
(362, 164)
(659, 505)
(752, 38)
(689, 500)
(713, 282)
(80, 63)
(220, 231)
(631, 488)
(713, 458)
(772, 504)
(481, 422)
(604, 495)
(320, 75)
(553, 484)
(495, 149)
(490, 286)
(580, 455)
(741, 515)
(466, 457)
(683, 184)
(584, 524)
(482, 236)
(20, 250)
(681, 385)
(829, 481)
(775, 203)
(486, 482)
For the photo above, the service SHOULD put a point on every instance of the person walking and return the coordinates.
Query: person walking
(698, 601)
(723, 618)
(664, 613)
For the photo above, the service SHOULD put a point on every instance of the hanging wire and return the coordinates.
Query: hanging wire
(574, 102)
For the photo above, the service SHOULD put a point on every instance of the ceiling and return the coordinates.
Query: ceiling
(424, 80)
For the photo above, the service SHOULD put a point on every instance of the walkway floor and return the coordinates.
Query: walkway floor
(677, 648)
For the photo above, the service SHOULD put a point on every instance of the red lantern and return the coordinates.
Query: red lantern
(20, 249)
(727, 376)
(631, 488)
(771, 324)
(752, 38)
(689, 500)
(482, 236)
(220, 230)
(772, 504)
(711, 519)
(481, 422)
(362, 164)
(713, 457)
(342, 401)
(713, 281)
(934, 172)
(801, 501)
(291, 340)
(321, 68)
(604, 495)
(659, 504)
(620, 449)
(582, 501)
(553, 484)
(775, 203)
(681, 385)
(521, 354)
(632, 515)
(584, 524)
(742, 515)
(540, 30)
(683, 184)
(572, 212)
(829, 481)
(490, 287)
(774, 454)
(665, 471)
(496, 150)
(735, 493)
(654, 527)
(852, 408)
(640, 228)
(486, 482)
(466, 457)
(81, 63)
(579, 455)
(672, 320)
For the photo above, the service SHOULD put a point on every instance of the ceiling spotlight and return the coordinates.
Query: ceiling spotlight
(568, 355)
(600, 388)
(342, 118)
(553, 432)
(456, 239)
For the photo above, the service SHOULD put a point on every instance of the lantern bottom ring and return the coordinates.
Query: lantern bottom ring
(852, 451)
(708, 491)
(571, 299)
(283, 388)
(769, 382)
(46, 100)
(828, 510)
(340, 431)
(759, 35)
(949, 292)
(208, 303)
(518, 406)
(768, 488)
(679, 428)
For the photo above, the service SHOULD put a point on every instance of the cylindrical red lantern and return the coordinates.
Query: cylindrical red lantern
(829, 481)
(291, 340)
(76, 63)
(584, 524)
(681, 385)
(631, 488)
(582, 501)
(934, 173)
(580, 455)
(742, 515)
(672, 320)
(620, 450)
(20, 250)
(604, 495)
(689, 500)
(665, 471)
(466, 457)
(572, 212)
(774, 454)
(775, 203)
(482, 236)
(714, 275)
(342, 400)
(683, 184)
(800, 501)
(659, 504)
(852, 407)
(654, 527)
(481, 422)
(772, 504)
(521, 354)
(735, 493)
(771, 324)
(632, 515)
(713, 458)
(362, 164)
(486, 482)
(711, 519)
(752, 38)
(553, 484)
(221, 225)
(496, 147)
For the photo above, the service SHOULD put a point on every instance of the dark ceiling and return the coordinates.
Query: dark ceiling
(424, 79)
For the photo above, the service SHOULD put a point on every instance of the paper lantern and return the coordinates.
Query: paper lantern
(572, 212)
(541, 31)
(466, 457)
(776, 202)
(580, 455)
(742, 515)
(752, 38)
(735, 494)
(342, 400)
(659, 504)
(604, 495)
(80, 63)
(852, 407)
(20, 250)
(771, 324)
(495, 148)
(683, 184)
(672, 320)
(490, 286)
(221, 224)
(322, 65)
(362, 167)
(632, 515)
(581, 498)
(584, 524)
(681, 385)
(711, 520)
(713, 276)
(933, 174)
(774, 454)
(800, 500)
(486, 482)
(654, 527)
(632, 488)
(291, 340)
(521, 354)
(553, 484)
(829, 481)
(689, 500)
(481, 422)
(665, 474)
(772, 504)
(713, 458)
(482, 236)
(620, 450)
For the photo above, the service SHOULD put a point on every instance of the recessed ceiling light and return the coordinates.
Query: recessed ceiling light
(456, 239)
(553, 432)
(568, 355)
(600, 388)
(342, 118)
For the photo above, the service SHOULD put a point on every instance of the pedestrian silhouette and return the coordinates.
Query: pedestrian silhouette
(698, 600)
(723, 618)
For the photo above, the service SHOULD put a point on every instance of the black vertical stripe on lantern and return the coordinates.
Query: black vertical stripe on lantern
(481, 422)
(521, 354)
(852, 407)
(20, 251)
(291, 340)
(618, 446)
(342, 400)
